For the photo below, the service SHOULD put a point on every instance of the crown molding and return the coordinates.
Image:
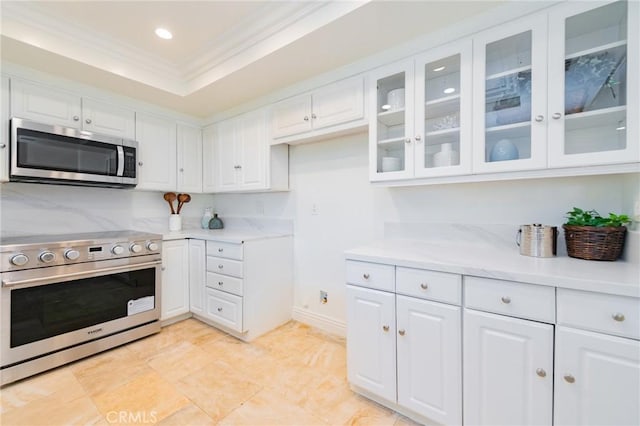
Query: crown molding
(272, 27)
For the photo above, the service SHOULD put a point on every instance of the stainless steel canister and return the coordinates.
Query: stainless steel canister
(537, 240)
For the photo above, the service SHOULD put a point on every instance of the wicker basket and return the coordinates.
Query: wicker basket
(594, 243)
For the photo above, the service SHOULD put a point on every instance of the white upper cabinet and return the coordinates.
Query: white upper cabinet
(4, 125)
(593, 84)
(420, 124)
(55, 106)
(327, 108)
(156, 136)
(510, 87)
(238, 157)
(189, 158)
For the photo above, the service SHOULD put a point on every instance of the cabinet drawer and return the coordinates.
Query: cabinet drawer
(372, 275)
(225, 283)
(227, 250)
(225, 309)
(607, 313)
(432, 285)
(224, 266)
(521, 300)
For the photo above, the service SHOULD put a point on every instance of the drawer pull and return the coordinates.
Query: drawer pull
(424, 286)
(365, 276)
(220, 266)
(220, 283)
(219, 309)
(401, 332)
(220, 250)
(540, 372)
(618, 317)
(385, 327)
(505, 299)
(569, 378)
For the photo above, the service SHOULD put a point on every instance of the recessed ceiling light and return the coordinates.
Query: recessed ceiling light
(449, 90)
(163, 33)
(439, 68)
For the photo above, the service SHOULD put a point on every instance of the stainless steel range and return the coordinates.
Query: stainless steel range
(64, 297)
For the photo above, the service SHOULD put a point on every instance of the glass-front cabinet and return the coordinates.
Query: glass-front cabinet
(510, 86)
(422, 121)
(391, 122)
(593, 84)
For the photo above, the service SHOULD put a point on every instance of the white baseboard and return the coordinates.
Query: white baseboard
(322, 322)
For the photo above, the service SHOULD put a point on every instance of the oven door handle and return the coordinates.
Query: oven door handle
(58, 278)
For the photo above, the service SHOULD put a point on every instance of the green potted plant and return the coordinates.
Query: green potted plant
(590, 236)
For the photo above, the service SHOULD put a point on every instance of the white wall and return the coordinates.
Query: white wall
(333, 176)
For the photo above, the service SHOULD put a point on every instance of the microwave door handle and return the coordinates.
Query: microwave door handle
(36, 281)
(120, 171)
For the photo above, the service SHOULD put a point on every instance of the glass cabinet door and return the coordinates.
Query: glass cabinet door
(390, 132)
(510, 97)
(589, 82)
(443, 111)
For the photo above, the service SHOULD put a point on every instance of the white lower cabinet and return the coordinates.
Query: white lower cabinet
(371, 341)
(197, 275)
(597, 379)
(508, 370)
(405, 352)
(175, 279)
(247, 288)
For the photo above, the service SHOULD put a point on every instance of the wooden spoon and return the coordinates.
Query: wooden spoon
(170, 197)
(182, 199)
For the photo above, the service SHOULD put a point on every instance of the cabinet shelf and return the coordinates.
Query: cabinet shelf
(597, 49)
(515, 130)
(508, 72)
(391, 141)
(597, 118)
(442, 106)
(392, 118)
(443, 136)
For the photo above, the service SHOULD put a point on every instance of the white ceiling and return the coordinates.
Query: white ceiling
(223, 53)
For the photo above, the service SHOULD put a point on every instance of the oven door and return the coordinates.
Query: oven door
(49, 309)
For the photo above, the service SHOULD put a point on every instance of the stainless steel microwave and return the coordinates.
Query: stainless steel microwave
(45, 153)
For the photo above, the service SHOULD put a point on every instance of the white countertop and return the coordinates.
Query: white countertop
(619, 277)
(225, 235)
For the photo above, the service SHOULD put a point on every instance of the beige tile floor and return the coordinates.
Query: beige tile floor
(193, 374)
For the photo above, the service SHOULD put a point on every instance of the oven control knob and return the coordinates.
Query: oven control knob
(135, 248)
(47, 256)
(117, 250)
(19, 259)
(72, 254)
(152, 246)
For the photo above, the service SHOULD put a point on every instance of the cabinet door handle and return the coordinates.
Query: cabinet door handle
(88, 121)
(76, 118)
(306, 118)
(314, 116)
(407, 140)
(140, 163)
(219, 309)
(220, 283)
(556, 115)
(365, 276)
(3, 145)
(539, 118)
(540, 372)
(424, 286)
(181, 170)
(418, 138)
(163, 268)
(505, 299)
(618, 317)
(220, 266)
(385, 327)
(569, 378)
(401, 332)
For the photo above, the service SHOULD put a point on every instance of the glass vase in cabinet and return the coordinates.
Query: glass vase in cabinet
(593, 84)
(510, 99)
(391, 122)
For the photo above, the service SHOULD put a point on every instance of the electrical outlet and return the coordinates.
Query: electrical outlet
(315, 210)
(324, 297)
